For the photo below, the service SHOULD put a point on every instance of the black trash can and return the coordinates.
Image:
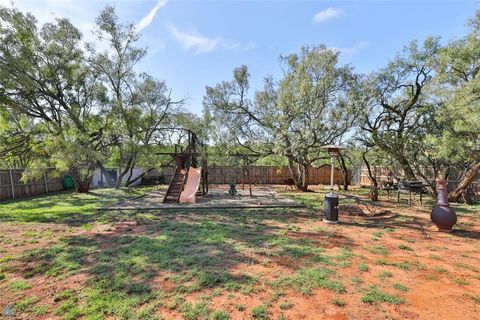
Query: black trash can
(331, 208)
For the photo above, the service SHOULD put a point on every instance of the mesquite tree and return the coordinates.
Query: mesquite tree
(398, 111)
(65, 105)
(459, 89)
(310, 107)
(138, 106)
(43, 77)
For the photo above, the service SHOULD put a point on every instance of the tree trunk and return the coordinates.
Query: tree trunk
(299, 174)
(84, 185)
(431, 185)
(344, 170)
(464, 183)
(373, 179)
(408, 173)
(129, 166)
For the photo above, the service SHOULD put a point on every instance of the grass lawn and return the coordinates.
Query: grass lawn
(65, 206)
(60, 259)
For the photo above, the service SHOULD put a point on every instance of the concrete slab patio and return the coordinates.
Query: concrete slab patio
(217, 198)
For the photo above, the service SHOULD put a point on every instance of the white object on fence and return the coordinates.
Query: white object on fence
(11, 183)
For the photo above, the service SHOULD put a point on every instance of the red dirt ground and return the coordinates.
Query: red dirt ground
(443, 281)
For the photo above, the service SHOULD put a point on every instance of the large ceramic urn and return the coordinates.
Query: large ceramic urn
(442, 215)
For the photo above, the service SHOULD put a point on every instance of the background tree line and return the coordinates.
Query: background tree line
(65, 103)
(421, 110)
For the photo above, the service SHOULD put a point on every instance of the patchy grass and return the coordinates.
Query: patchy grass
(259, 313)
(404, 247)
(212, 264)
(305, 280)
(385, 274)
(461, 282)
(285, 305)
(405, 265)
(363, 267)
(339, 302)
(64, 206)
(374, 295)
(19, 285)
(400, 287)
(379, 249)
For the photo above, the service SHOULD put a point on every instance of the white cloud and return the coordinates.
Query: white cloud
(237, 45)
(147, 20)
(327, 14)
(353, 49)
(192, 40)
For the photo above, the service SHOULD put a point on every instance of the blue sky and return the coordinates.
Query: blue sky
(197, 43)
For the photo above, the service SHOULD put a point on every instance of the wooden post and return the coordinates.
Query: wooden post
(45, 180)
(11, 183)
(249, 179)
(244, 171)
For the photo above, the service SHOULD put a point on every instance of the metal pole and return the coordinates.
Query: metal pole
(11, 183)
(331, 174)
(45, 180)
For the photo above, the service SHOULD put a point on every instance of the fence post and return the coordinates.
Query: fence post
(11, 183)
(45, 180)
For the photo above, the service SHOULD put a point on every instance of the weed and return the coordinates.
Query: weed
(324, 259)
(259, 313)
(40, 310)
(441, 270)
(377, 234)
(25, 303)
(373, 295)
(378, 249)
(461, 282)
(400, 287)
(219, 315)
(68, 309)
(193, 311)
(285, 305)
(18, 285)
(363, 267)
(305, 280)
(176, 302)
(432, 277)
(404, 247)
(240, 307)
(339, 302)
(211, 279)
(385, 274)
(475, 298)
(356, 281)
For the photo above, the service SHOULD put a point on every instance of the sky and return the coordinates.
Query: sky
(192, 44)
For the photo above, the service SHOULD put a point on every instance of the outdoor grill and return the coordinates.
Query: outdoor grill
(410, 187)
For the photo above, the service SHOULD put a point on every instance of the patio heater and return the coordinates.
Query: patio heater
(331, 199)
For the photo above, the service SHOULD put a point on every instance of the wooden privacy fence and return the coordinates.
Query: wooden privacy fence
(11, 185)
(258, 175)
(385, 173)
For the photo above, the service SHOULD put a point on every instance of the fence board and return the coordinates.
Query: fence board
(385, 173)
(30, 188)
(258, 175)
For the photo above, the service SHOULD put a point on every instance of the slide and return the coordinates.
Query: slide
(191, 186)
